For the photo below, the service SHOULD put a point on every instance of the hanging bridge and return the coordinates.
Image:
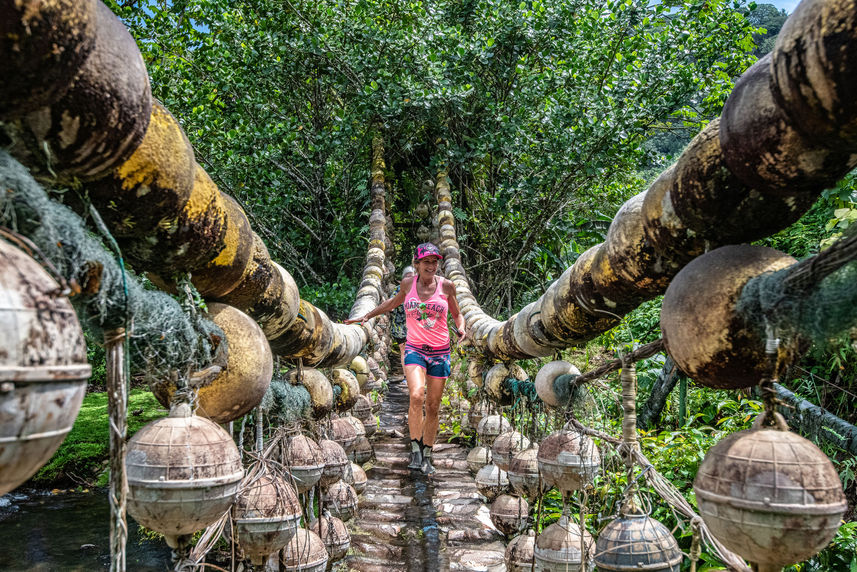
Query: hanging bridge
(76, 110)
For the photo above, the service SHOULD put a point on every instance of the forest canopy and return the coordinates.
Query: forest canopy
(538, 111)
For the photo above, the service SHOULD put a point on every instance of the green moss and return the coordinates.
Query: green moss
(83, 456)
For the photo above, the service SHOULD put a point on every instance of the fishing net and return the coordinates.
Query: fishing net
(285, 403)
(815, 299)
(166, 339)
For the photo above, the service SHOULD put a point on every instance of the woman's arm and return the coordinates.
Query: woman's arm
(387, 304)
(454, 311)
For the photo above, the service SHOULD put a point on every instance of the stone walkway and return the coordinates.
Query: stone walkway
(409, 522)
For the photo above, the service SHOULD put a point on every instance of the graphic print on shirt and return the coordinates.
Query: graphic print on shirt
(425, 314)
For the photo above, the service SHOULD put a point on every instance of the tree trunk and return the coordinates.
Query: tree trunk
(664, 384)
(816, 422)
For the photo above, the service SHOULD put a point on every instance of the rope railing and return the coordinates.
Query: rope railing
(786, 133)
(138, 168)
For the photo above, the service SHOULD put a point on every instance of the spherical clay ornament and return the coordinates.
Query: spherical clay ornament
(509, 514)
(703, 333)
(341, 499)
(636, 542)
(506, 445)
(266, 515)
(334, 534)
(558, 548)
(524, 473)
(545, 379)
(358, 478)
(770, 495)
(491, 481)
(305, 552)
(43, 368)
(183, 474)
(250, 366)
(477, 458)
(335, 462)
(304, 460)
(490, 427)
(568, 460)
(519, 553)
(344, 433)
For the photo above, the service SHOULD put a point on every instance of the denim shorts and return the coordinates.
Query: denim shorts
(434, 361)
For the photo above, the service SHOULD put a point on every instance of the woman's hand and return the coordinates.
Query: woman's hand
(361, 321)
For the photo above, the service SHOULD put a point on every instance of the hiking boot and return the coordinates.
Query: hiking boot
(416, 460)
(426, 467)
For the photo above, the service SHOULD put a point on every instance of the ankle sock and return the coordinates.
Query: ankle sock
(427, 451)
(415, 445)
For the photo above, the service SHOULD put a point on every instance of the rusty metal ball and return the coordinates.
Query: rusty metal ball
(495, 382)
(770, 495)
(361, 371)
(568, 460)
(520, 552)
(703, 333)
(363, 451)
(491, 481)
(362, 408)
(524, 473)
(43, 367)
(304, 460)
(637, 542)
(183, 474)
(341, 500)
(370, 426)
(344, 433)
(506, 445)
(266, 515)
(477, 412)
(558, 548)
(318, 386)
(477, 458)
(334, 534)
(509, 514)
(99, 121)
(305, 552)
(490, 427)
(44, 45)
(474, 372)
(249, 369)
(357, 424)
(335, 462)
(546, 377)
(349, 388)
(358, 480)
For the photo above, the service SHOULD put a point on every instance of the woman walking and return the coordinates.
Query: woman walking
(428, 299)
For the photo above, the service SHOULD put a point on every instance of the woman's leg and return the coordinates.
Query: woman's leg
(434, 393)
(416, 377)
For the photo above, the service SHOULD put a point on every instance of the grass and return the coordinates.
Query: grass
(82, 459)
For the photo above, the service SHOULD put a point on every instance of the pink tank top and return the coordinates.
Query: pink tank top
(426, 319)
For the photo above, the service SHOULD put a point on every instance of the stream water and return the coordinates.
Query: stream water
(68, 532)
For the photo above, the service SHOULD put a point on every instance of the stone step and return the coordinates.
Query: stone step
(409, 522)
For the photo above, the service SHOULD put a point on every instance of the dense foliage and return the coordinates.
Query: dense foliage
(537, 109)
